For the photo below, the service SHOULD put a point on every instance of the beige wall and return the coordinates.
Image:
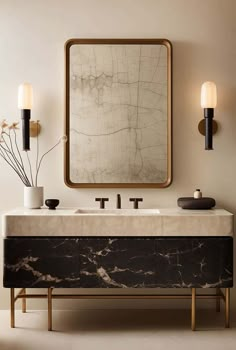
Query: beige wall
(203, 35)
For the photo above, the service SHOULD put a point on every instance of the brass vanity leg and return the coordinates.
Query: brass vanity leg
(218, 300)
(12, 297)
(193, 310)
(24, 301)
(227, 307)
(49, 309)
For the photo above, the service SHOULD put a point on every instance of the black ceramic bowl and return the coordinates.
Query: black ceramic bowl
(196, 203)
(52, 203)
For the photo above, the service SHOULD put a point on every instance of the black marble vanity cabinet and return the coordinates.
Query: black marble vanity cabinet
(109, 262)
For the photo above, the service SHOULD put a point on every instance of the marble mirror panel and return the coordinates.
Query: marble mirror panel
(118, 113)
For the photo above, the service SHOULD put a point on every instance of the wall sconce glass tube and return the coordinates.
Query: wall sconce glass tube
(25, 102)
(208, 103)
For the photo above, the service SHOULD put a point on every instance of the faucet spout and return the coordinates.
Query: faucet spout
(118, 201)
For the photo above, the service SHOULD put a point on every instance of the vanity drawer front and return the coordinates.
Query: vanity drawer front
(195, 262)
(118, 262)
(40, 262)
(81, 263)
(155, 262)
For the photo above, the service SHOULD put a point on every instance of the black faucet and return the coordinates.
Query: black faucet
(102, 202)
(136, 201)
(118, 201)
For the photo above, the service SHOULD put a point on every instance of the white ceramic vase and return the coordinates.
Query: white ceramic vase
(33, 197)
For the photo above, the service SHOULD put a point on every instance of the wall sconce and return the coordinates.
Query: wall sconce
(208, 126)
(25, 102)
(30, 128)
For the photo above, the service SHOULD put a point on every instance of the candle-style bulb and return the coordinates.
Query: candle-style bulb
(25, 96)
(208, 95)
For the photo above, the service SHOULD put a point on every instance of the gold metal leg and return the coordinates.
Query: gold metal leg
(49, 309)
(218, 300)
(227, 307)
(193, 311)
(12, 297)
(193, 296)
(24, 301)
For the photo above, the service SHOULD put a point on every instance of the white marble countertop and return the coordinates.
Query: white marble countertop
(124, 222)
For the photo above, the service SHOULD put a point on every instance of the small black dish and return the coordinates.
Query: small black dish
(52, 203)
(199, 203)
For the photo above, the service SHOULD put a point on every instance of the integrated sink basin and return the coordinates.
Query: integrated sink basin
(92, 222)
(118, 211)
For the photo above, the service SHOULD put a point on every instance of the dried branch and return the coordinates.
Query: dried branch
(31, 174)
(10, 164)
(10, 153)
(40, 162)
(14, 160)
(37, 151)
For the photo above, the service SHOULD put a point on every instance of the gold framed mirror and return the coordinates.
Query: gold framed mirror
(118, 98)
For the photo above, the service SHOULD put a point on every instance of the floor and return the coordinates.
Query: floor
(117, 329)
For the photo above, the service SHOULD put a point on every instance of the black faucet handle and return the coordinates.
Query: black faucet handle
(102, 202)
(136, 201)
(118, 201)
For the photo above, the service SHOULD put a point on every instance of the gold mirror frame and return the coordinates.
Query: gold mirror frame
(68, 45)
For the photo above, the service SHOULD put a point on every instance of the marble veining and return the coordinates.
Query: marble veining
(118, 113)
(119, 262)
